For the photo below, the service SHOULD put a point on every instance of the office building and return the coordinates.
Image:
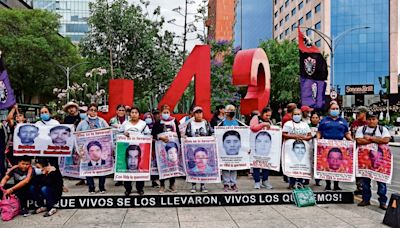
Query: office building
(221, 19)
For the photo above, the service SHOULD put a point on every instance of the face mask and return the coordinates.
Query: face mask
(82, 115)
(38, 171)
(231, 114)
(45, 116)
(148, 121)
(334, 113)
(296, 118)
(165, 116)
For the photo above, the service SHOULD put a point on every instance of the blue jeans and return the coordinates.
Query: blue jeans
(256, 174)
(366, 191)
(44, 193)
(90, 182)
(293, 181)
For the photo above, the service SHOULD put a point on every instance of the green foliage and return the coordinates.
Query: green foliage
(284, 64)
(32, 48)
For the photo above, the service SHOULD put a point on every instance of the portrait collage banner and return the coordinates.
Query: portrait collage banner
(334, 160)
(296, 159)
(49, 141)
(201, 160)
(169, 156)
(233, 147)
(265, 150)
(133, 159)
(375, 162)
(96, 150)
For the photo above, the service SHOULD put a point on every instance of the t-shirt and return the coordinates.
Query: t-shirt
(333, 129)
(232, 122)
(356, 124)
(72, 120)
(300, 128)
(198, 128)
(370, 131)
(139, 127)
(50, 122)
(18, 174)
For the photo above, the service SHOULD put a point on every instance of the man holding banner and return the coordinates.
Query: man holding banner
(372, 140)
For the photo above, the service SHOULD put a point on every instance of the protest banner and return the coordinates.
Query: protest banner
(296, 159)
(70, 166)
(201, 160)
(169, 156)
(265, 150)
(334, 160)
(233, 147)
(375, 162)
(49, 141)
(133, 159)
(96, 150)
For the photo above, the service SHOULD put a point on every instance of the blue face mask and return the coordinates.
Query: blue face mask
(82, 116)
(165, 116)
(45, 116)
(296, 118)
(148, 121)
(334, 113)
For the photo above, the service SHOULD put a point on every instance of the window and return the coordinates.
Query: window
(318, 26)
(276, 27)
(293, 26)
(281, 9)
(281, 36)
(318, 8)
(286, 31)
(308, 32)
(286, 3)
(275, 1)
(318, 43)
(308, 15)
(276, 14)
(281, 23)
(301, 21)
(307, 1)
(293, 11)
(301, 4)
(287, 17)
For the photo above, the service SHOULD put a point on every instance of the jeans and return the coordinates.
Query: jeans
(44, 193)
(293, 181)
(256, 174)
(90, 182)
(171, 182)
(229, 177)
(366, 191)
(139, 186)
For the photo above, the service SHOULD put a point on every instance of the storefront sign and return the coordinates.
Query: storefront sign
(359, 89)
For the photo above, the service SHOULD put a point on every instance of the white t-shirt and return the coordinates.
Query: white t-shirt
(368, 131)
(300, 128)
(139, 127)
(50, 122)
(198, 127)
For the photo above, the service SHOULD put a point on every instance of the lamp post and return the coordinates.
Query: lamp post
(333, 43)
(67, 71)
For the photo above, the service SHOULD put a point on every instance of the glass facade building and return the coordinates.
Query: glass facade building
(74, 15)
(361, 56)
(256, 24)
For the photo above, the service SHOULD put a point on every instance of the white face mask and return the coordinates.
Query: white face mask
(38, 171)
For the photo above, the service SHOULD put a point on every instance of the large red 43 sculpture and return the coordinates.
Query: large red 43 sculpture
(250, 68)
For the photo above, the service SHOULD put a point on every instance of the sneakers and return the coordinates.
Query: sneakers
(193, 190)
(257, 185)
(226, 188)
(102, 191)
(364, 203)
(24, 212)
(204, 189)
(50, 213)
(383, 207)
(234, 188)
(92, 192)
(39, 210)
(154, 184)
(266, 184)
(127, 193)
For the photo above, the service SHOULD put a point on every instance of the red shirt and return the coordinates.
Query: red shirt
(286, 118)
(356, 124)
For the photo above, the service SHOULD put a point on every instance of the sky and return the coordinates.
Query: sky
(166, 11)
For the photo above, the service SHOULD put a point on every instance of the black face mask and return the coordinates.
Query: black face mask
(231, 114)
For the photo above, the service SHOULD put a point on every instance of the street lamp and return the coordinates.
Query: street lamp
(67, 71)
(333, 43)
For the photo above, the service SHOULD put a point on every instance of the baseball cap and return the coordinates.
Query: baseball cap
(362, 109)
(197, 108)
(371, 115)
(306, 108)
(155, 111)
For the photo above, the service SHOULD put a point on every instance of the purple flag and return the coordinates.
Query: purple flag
(312, 92)
(7, 98)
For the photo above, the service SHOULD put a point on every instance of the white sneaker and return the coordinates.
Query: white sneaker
(257, 185)
(266, 184)
(193, 190)
(204, 189)
(50, 213)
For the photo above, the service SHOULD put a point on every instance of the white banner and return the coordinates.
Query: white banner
(296, 159)
(266, 149)
(233, 146)
(49, 141)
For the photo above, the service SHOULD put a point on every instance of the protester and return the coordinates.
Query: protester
(22, 175)
(48, 187)
(91, 122)
(134, 126)
(156, 114)
(12, 124)
(373, 133)
(257, 123)
(230, 176)
(306, 113)
(314, 123)
(149, 119)
(289, 110)
(73, 116)
(120, 118)
(198, 127)
(298, 130)
(218, 116)
(3, 144)
(166, 124)
(333, 127)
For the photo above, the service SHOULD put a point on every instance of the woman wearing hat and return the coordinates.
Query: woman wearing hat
(73, 116)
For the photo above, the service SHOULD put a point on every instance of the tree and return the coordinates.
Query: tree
(32, 48)
(284, 64)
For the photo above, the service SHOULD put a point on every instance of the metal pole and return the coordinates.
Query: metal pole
(332, 65)
(184, 32)
(67, 71)
(241, 24)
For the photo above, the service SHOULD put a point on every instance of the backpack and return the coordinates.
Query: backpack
(373, 133)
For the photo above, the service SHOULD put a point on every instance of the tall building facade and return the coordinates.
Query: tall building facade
(221, 19)
(365, 35)
(253, 22)
(15, 4)
(74, 15)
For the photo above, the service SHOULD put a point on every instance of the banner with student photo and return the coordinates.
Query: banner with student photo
(133, 158)
(265, 150)
(334, 160)
(233, 146)
(296, 159)
(201, 160)
(49, 141)
(169, 157)
(375, 162)
(96, 150)
(70, 166)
